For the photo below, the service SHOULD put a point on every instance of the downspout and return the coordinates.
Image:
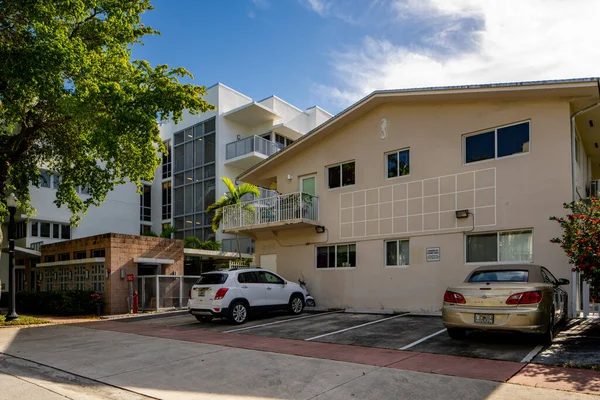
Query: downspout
(574, 285)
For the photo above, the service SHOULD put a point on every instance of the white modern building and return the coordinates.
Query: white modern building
(239, 133)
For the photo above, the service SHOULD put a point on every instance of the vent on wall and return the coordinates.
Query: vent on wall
(591, 122)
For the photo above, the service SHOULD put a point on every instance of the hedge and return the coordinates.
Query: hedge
(68, 302)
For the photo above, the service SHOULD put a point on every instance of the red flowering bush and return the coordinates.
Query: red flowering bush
(581, 238)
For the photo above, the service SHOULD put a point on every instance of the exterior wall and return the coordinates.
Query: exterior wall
(527, 189)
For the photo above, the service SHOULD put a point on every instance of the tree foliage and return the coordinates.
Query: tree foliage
(192, 242)
(72, 101)
(581, 238)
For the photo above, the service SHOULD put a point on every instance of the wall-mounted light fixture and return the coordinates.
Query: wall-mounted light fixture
(289, 177)
(122, 273)
(320, 229)
(239, 137)
(460, 214)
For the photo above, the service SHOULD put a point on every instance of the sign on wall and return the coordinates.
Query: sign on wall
(432, 254)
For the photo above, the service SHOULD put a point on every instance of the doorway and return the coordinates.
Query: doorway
(149, 269)
(269, 262)
(308, 184)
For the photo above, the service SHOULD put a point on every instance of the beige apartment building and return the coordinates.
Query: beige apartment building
(406, 191)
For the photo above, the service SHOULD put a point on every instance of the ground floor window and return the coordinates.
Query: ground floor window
(396, 253)
(97, 277)
(79, 277)
(508, 246)
(49, 280)
(341, 255)
(63, 278)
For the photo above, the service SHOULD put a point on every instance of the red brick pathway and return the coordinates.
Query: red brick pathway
(492, 370)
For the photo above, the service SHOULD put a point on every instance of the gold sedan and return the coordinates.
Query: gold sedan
(523, 298)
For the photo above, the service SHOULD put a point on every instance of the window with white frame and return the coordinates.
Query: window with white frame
(397, 253)
(337, 256)
(63, 278)
(397, 163)
(49, 280)
(340, 175)
(496, 143)
(97, 277)
(79, 277)
(508, 246)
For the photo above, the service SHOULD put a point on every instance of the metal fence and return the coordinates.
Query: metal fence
(249, 145)
(164, 292)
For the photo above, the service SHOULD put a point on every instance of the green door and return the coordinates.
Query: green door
(309, 185)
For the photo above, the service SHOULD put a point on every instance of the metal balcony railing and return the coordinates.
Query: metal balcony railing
(249, 145)
(282, 208)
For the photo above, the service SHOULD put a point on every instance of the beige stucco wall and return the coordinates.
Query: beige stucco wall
(527, 190)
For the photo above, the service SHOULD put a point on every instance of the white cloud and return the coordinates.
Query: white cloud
(317, 6)
(479, 41)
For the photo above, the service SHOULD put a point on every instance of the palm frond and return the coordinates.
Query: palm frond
(222, 202)
(230, 185)
(248, 188)
(192, 242)
(216, 221)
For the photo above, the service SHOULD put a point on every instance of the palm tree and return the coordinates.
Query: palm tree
(192, 242)
(233, 197)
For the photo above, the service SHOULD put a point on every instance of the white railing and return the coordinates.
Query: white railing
(286, 207)
(164, 292)
(249, 145)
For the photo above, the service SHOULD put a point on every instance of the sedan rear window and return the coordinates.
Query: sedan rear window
(500, 276)
(211, 279)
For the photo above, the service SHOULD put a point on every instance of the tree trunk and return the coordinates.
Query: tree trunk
(237, 239)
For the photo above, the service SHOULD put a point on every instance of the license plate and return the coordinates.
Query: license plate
(484, 318)
(201, 291)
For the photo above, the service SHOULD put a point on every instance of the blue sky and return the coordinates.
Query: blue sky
(333, 52)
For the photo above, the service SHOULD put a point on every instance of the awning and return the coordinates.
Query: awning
(24, 251)
(220, 255)
(142, 260)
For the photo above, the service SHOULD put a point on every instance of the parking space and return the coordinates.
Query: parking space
(401, 332)
(576, 346)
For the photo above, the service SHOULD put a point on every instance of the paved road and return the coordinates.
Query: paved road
(175, 369)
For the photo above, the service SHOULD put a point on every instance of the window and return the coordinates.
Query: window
(44, 179)
(34, 229)
(55, 181)
(79, 255)
(56, 231)
(166, 200)
(45, 229)
(49, 280)
(341, 255)
(269, 278)
(548, 277)
(145, 228)
(63, 278)
(166, 160)
(49, 259)
(340, 175)
(64, 257)
(500, 276)
(512, 246)
(496, 143)
(146, 204)
(79, 277)
(65, 232)
(396, 253)
(398, 163)
(98, 253)
(97, 277)
(248, 277)
(20, 230)
(282, 141)
(212, 279)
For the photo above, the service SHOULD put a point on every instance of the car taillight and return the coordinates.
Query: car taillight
(525, 298)
(221, 293)
(452, 297)
(190, 293)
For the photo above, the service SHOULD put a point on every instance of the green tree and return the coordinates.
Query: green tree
(73, 102)
(192, 242)
(234, 196)
(168, 231)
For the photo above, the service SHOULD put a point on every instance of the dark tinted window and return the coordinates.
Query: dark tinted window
(480, 147)
(548, 277)
(45, 229)
(98, 253)
(513, 139)
(482, 248)
(211, 279)
(341, 175)
(500, 276)
(248, 277)
(79, 255)
(267, 277)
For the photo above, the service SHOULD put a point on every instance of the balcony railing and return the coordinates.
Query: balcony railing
(282, 208)
(251, 144)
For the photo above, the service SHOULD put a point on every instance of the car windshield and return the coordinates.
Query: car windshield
(211, 279)
(500, 276)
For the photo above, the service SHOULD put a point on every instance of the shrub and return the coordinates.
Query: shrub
(68, 302)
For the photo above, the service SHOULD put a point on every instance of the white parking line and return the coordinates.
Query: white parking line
(280, 322)
(532, 354)
(408, 346)
(355, 327)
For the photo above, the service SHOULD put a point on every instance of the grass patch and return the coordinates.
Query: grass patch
(571, 364)
(22, 320)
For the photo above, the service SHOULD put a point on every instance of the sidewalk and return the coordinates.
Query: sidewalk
(172, 368)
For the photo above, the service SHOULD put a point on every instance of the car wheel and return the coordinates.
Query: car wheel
(310, 303)
(238, 313)
(203, 318)
(457, 333)
(296, 304)
(546, 337)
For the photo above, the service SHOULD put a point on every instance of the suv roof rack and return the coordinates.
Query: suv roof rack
(242, 267)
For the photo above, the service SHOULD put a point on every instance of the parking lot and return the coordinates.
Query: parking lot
(401, 331)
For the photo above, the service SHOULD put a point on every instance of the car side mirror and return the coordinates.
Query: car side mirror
(563, 281)
(284, 283)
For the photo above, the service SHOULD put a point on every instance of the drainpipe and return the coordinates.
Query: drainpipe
(575, 276)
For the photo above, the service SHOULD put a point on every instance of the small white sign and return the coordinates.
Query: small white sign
(432, 254)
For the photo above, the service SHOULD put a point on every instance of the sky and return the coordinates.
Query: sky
(331, 53)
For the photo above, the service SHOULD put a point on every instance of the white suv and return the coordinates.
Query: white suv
(234, 293)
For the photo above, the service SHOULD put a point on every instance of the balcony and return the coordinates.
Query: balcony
(293, 210)
(249, 151)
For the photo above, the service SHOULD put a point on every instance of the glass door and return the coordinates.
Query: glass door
(308, 185)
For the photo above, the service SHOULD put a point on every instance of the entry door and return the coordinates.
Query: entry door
(20, 279)
(269, 261)
(252, 288)
(308, 185)
(277, 293)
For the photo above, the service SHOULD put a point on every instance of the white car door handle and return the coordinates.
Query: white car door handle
(268, 288)
(244, 287)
